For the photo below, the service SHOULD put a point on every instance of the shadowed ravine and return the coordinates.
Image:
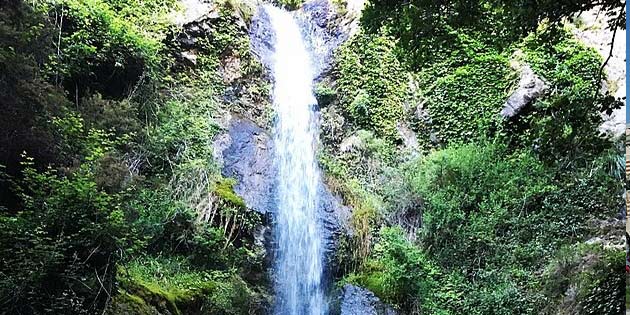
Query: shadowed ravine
(299, 254)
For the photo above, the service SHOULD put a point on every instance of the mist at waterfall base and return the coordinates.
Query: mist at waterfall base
(299, 259)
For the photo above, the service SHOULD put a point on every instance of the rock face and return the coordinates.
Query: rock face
(317, 18)
(594, 33)
(529, 88)
(320, 21)
(359, 301)
(192, 10)
(333, 216)
(262, 37)
(247, 157)
(246, 153)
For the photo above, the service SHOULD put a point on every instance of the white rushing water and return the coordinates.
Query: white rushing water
(299, 257)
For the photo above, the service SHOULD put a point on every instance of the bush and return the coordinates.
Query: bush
(584, 279)
(492, 218)
(563, 127)
(464, 105)
(324, 94)
(104, 46)
(471, 192)
(27, 101)
(118, 117)
(372, 84)
(59, 252)
(398, 272)
(431, 32)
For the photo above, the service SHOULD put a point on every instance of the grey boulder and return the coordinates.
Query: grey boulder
(359, 301)
(530, 87)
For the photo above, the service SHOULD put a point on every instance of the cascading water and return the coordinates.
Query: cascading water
(299, 251)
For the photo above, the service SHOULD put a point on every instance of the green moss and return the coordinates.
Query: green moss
(341, 6)
(324, 94)
(225, 190)
(125, 303)
(175, 286)
(149, 292)
(290, 4)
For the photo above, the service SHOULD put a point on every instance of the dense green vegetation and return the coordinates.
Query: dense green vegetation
(111, 201)
(493, 215)
(108, 167)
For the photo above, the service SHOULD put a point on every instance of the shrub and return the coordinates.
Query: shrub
(28, 101)
(324, 94)
(398, 272)
(563, 126)
(464, 105)
(584, 279)
(494, 217)
(372, 84)
(471, 193)
(61, 247)
(104, 46)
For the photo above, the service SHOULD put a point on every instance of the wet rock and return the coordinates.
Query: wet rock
(359, 301)
(247, 157)
(317, 21)
(529, 88)
(333, 217)
(318, 12)
(262, 37)
(245, 152)
(320, 22)
(320, 26)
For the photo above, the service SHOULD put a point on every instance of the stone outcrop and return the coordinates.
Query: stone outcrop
(529, 88)
(246, 156)
(593, 31)
(245, 152)
(321, 21)
(317, 18)
(359, 301)
(192, 10)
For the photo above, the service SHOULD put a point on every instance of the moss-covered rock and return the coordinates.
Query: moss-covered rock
(125, 303)
(224, 188)
(173, 287)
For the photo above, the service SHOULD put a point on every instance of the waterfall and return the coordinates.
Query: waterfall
(299, 246)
